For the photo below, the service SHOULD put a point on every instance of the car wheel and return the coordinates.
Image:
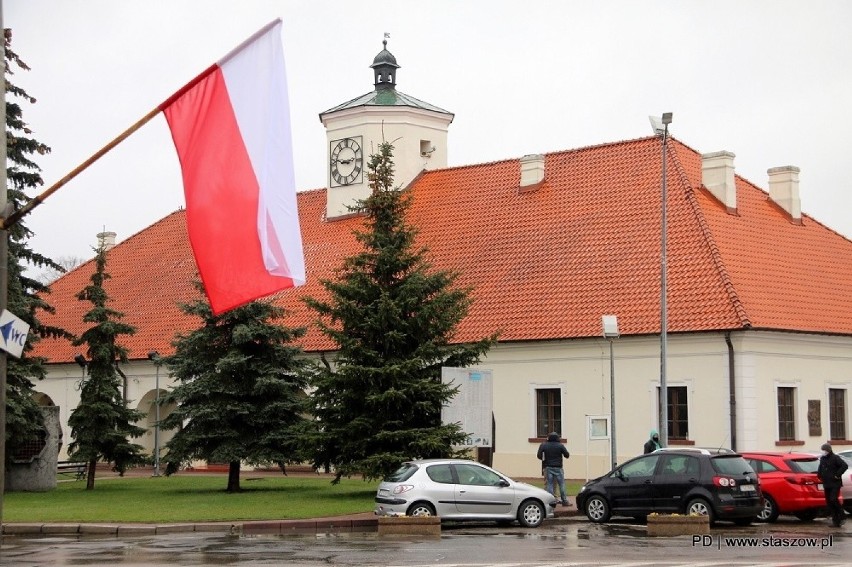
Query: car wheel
(531, 513)
(770, 510)
(699, 507)
(597, 509)
(806, 516)
(421, 509)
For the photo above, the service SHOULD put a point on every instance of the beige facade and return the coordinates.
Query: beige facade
(699, 363)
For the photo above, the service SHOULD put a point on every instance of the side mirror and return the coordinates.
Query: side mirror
(620, 475)
(503, 482)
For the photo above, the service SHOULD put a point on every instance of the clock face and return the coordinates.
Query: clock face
(346, 161)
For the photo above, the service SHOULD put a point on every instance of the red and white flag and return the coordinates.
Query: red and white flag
(231, 128)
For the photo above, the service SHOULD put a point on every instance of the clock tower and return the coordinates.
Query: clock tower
(354, 130)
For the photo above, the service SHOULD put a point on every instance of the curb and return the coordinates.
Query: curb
(365, 522)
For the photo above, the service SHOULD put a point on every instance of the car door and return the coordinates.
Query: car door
(676, 475)
(442, 490)
(481, 492)
(631, 487)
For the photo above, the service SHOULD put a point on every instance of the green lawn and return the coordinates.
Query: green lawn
(197, 498)
(191, 498)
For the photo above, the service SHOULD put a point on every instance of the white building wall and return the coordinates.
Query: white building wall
(580, 368)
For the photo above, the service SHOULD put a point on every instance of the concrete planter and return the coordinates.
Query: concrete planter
(674, 525)
(409, 525)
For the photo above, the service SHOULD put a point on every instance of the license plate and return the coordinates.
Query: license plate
(819, 487)
(747, 488)
(383, 491)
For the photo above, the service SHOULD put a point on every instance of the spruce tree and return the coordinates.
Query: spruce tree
(102, 423)
(26, 296)
(392, 317)
(241, 391)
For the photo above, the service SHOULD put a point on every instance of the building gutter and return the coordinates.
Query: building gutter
(732, 392)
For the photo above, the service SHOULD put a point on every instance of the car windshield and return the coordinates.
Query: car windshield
(401, 474)
(730, 464)
(804, 464)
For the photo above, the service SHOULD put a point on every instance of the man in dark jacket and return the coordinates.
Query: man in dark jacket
(550, 454)
(830, 471)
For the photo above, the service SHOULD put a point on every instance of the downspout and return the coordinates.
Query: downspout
(732, 383)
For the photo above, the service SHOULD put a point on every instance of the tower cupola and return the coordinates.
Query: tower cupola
(384, 67)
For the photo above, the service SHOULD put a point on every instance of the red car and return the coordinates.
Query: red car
(789, 484)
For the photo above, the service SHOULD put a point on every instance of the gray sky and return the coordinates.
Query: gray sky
(770, 81)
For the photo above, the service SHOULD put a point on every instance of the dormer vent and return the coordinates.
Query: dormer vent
(784, 190)
(717, 176)
(532, 171)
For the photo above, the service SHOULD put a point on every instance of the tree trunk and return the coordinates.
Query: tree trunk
(90, 477)
(234, 476)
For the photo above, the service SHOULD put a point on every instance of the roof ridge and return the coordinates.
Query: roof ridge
(730, 289)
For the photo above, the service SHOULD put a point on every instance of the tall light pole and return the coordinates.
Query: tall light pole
(661, 128)
(155, 357)
(610, 331)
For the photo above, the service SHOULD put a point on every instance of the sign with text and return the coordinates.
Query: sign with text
(471, 406)
(14, 333)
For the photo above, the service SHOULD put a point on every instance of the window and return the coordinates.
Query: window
(477, 476)
(678, 412)
(548, 404)
(837, 413)
(642, 467)
(786, 413)
(440, 473)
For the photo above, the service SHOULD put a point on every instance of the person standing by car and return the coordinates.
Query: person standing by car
(831, 468)
(653, 443)
(550, 453)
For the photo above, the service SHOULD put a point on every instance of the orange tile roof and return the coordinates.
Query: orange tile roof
(543, 264)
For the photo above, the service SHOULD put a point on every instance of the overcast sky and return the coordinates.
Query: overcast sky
(768, 80)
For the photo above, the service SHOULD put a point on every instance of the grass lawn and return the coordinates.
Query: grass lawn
(191, 498)
(198, 498)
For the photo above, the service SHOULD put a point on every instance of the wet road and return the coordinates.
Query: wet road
(787, 543)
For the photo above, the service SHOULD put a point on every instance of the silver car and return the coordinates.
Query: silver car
(455, 489)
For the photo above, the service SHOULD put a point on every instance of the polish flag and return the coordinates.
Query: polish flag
(231, 128)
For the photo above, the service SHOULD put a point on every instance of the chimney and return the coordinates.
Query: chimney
(532, 172)
(717, 175)
(106, 240)
(784, 190)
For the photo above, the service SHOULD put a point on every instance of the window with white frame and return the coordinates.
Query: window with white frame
(786, 413)
(837, 413)
(548, 411)
(678, 411)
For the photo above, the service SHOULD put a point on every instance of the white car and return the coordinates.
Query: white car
(456, 489)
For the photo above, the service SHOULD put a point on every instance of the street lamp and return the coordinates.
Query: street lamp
(661, 128)
(610, 331)
(155, 357)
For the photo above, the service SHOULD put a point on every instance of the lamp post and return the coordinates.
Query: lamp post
(661, 128)
(609, 324)
(155, 357)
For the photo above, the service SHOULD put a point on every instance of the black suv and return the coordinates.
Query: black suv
(676, 481)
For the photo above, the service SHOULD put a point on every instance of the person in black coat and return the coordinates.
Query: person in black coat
(830, 471)
(550, 453)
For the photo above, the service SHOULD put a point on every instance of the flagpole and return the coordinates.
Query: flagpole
(12, 219)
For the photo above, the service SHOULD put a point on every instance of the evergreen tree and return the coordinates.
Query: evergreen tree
(26, 296)
(102, 424)
(392, 317)
(241, 391)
